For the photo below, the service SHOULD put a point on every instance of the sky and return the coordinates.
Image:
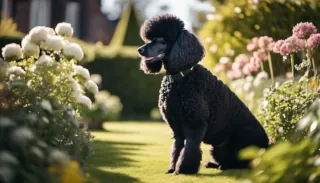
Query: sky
(184, 9)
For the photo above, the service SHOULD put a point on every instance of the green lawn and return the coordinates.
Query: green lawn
(138, 152)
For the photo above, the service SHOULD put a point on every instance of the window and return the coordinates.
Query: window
(72, 16)
(5, 8)
(40, 11)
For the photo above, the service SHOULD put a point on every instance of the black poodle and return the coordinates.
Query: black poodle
(196, 104)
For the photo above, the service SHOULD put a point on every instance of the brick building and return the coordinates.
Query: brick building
(89, 23)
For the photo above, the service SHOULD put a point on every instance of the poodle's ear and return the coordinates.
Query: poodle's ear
(186, 52)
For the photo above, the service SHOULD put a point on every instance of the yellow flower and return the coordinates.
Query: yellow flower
(69, 173)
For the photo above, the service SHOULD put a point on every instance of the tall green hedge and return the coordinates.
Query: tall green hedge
(122, 77)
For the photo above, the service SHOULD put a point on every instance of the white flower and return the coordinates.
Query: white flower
(76, 88)
(16, 71)
(54, 43)
(237, 10)
(247, 86)
(30, 49)
(249, 78)
(64, 29)
(22, 135)
(262, 75)
(46, 105)
(38, 34)
(84, 100)
(91, 86)
(73, 51)
(12, 52)
(59, 157)
(96, 78)
(25, 40)
(44, 60)
(313, 126)
(33, 68)
(83, 72)
(50, 31)
(280, 130)
(224, 60)
(5, 122)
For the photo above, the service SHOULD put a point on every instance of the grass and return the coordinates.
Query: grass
(138, 152)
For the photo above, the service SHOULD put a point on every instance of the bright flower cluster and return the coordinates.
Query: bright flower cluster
(46, 56)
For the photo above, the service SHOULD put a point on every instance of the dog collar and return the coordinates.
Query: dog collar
(178, 76)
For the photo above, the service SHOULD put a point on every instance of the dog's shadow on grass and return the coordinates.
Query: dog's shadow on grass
(110, 155)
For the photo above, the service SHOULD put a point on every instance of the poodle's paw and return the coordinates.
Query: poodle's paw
(212, 165)
(171, 170)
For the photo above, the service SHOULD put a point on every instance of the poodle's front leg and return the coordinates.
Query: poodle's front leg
(177, 145)
(191, 155)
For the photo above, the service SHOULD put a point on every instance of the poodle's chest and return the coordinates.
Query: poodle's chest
(173, 98)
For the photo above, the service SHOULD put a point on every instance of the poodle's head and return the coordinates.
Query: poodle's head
(168, 43)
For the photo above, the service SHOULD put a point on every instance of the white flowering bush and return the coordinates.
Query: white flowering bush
(49, 65)
(41, 79)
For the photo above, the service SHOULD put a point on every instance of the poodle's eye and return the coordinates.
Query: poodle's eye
(160, 39)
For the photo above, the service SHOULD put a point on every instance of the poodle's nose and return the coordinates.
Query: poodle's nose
(141, 50)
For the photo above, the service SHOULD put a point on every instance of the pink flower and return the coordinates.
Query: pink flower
(237, 73)
(271, 45)
(277, 46)
(230, 75)
(291, 45)
(314, 41)
(254, 63)
(242, 58)
(246, 70)
(234, 74)
(264, 41)
(260, 55)
(253, 45)
(285, 48)
(304, 30)
(221, 67)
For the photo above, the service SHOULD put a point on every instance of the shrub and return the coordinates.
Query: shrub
(291, 161)
(122, 77)
(26, 158)
(46, 84)
(106, 107)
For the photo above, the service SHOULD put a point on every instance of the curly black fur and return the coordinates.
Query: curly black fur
(199, 107)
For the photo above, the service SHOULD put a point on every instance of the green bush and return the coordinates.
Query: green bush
(293, 161)
(43, 81)
(122, 77)
(26, 157)
(237, 21)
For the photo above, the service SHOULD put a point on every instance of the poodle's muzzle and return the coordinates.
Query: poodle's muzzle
(153, 51)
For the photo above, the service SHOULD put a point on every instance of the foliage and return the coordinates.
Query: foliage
(26, 158)
(48, 87)
(122, 77)
(237, 21)
(283, 107)
(106, 107)
(155, 114)
(297, 160)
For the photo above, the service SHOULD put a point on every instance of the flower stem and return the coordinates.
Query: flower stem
(292, 66)
(315, 70)
(314, 67)
(262, 67)
(271, 69)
